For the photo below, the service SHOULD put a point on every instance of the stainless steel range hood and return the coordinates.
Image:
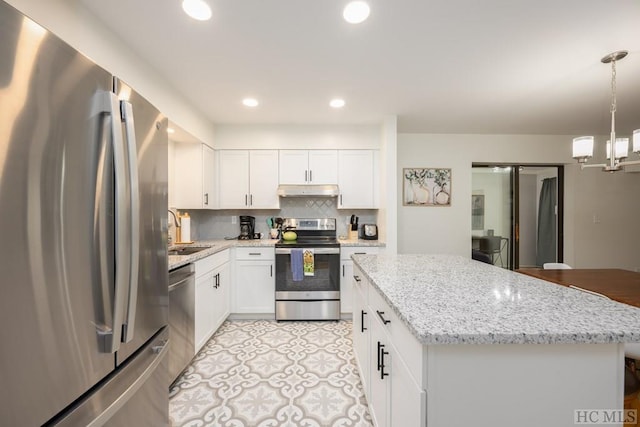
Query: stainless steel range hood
(308, 191)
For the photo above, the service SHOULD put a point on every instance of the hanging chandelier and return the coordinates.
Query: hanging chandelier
(583, 145)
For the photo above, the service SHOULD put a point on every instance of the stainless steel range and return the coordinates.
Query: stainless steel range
(310, 291)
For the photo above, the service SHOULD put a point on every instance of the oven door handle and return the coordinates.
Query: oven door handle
(316, 251)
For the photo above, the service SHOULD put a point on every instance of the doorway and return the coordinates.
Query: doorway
(517, 214)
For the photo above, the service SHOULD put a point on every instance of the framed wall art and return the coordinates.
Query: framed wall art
(477, 211)
(426, 187)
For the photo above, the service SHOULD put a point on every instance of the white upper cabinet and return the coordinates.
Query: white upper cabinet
(263, 179)
(358, 179)
(308, 167)
(233, 170)
(248, 179)
(193, 176)
(208, 177)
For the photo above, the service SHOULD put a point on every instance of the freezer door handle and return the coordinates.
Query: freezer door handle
(98, 408)
(126, 111)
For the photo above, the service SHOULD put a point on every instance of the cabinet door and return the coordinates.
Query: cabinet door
(293, 166)
(204, 305)
(323, 167)
(221, 295)
(361, 338)
(379, 382)
(208, 177)
(346, 286)
(263, 179)
(254, 288)
(356, 179)
(408, 401)
(187, 175)
(233, 170)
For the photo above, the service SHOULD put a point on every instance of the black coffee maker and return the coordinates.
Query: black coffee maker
(247, 227)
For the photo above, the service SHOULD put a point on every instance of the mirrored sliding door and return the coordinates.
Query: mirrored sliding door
(516, 214)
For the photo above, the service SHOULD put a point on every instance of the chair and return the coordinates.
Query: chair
(481, 256)
(494, 246)
(556, 266)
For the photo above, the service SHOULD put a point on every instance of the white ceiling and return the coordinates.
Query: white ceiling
(459, 66)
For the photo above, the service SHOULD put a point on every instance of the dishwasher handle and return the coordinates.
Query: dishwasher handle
(180, 276)
(182, 282)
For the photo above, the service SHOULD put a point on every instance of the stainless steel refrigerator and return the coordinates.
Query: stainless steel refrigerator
(83, 261)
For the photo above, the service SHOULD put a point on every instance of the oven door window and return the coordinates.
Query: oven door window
(326, 275)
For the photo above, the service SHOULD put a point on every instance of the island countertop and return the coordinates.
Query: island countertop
(445, 299)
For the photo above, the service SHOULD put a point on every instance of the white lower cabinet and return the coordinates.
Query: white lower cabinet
(255, 285)
(346, 274)
(389, 359)
(212, 295)
(379, 389)
(458, 385)
(408, 400)
(361, 331)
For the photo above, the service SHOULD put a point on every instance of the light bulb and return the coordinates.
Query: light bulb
(197, 9)
(356, 12)
(250, 102)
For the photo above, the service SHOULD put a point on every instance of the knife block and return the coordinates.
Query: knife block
(352, 234)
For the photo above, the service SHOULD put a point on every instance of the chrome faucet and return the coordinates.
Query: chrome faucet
(177, 224)
(175, 218)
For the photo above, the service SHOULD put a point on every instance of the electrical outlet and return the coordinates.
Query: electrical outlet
(234, 219)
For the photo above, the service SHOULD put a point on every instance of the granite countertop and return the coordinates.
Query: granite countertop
(446, 299)
(361, 243)
(214, 246)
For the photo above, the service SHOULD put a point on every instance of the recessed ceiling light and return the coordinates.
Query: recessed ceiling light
(197, 9)
(356, 12)
(250, 102)
(337, 103)
(171, 130)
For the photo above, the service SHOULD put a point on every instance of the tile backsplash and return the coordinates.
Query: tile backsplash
(208, 224)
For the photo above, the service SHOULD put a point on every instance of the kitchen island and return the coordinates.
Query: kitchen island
(447, 341)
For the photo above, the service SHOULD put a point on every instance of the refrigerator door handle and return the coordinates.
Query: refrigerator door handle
(111, 335)
(134, 219)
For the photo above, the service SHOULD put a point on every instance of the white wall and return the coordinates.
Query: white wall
(297, 137)
(69, 20)
(388, 212)
(612, 242)
(607, 224)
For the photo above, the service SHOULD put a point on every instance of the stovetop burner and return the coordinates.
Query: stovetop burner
(312, 232)
(308, 242)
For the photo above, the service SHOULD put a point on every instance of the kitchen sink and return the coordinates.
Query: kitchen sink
(187, 250)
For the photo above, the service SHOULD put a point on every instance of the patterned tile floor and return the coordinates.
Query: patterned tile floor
(267, 374)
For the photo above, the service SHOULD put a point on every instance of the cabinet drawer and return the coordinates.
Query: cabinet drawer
(205, 265)
(266, 253)
(399, 334)
(346, 252)
(360, 285)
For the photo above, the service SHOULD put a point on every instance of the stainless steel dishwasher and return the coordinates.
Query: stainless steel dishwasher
(182, 286)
